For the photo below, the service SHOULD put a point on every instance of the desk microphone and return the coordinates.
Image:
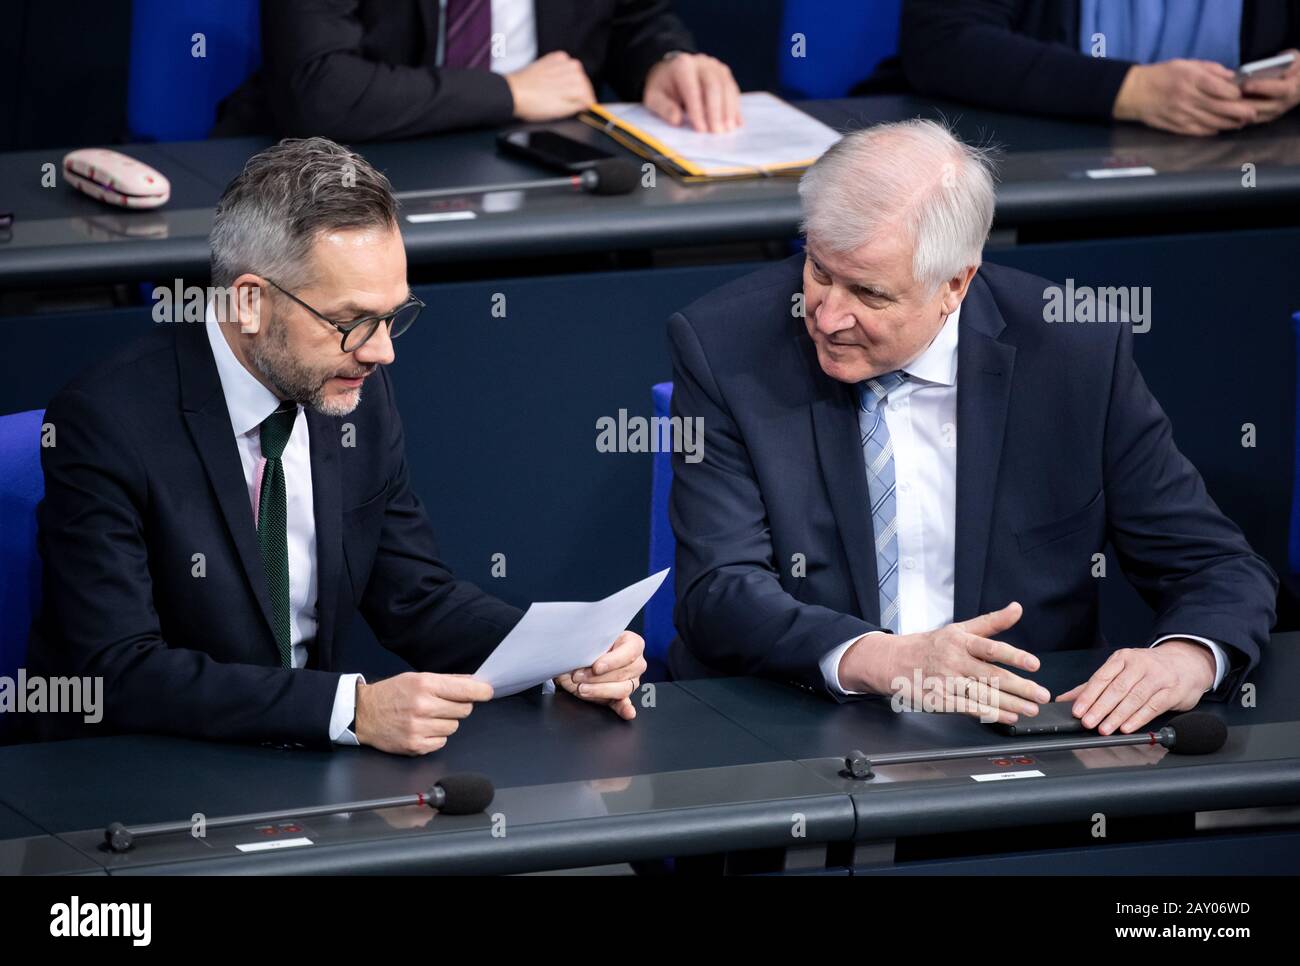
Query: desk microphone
(464, 794)
(1195, 733)
(612, 176)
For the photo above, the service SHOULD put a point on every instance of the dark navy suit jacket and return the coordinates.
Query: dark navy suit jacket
(1060, 448)
(144, 475)
(365, 70)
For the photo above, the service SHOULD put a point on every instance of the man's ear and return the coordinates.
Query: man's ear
(954, 290)
(244, 303)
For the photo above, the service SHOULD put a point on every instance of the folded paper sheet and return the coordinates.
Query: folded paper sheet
(554, 638)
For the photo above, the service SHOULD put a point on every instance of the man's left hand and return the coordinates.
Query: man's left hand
(1137, 684)
(694, 87)
(612, 677)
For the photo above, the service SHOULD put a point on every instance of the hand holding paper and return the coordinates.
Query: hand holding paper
(612, 678)
(553, 640)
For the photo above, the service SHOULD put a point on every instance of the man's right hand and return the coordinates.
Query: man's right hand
(550, 88)
(1197, 97)
(415, 712)
(957, 665)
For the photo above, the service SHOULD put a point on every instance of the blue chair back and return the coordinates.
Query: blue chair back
(21, 487)
(658, 626)
(1293, 545)
(844, 40)
(172, 95)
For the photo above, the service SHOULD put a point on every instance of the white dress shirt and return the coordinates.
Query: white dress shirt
(921, 415)
(515, 21)
(249, 404)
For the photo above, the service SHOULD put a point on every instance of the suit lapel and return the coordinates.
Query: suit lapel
(208, 420)
(327, 497)
(839, 452)
(984, 369)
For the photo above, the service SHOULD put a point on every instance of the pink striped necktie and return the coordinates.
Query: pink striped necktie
(468, 42)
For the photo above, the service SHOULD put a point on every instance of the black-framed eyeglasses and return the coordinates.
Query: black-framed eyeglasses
(356, 333)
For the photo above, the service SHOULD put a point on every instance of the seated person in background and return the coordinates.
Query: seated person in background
(909, 476)
(224, 496)
(1168, 64)
(370, 70)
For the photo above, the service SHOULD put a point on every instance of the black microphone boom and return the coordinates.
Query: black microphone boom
(610, 176)
(1194, 733)
(465, 794)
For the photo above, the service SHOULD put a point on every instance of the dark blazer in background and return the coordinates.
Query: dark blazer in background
(363, 70)
(145, 474)
(1023, 56)
(1061, 448)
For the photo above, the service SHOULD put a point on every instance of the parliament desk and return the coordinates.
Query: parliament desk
(575, 787)
(1057, 178)
(1235, 810)
(734, 768)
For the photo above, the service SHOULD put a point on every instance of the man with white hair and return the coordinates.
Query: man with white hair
(908, 471)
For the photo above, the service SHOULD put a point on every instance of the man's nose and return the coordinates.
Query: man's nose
(832, 313)
(378, 349)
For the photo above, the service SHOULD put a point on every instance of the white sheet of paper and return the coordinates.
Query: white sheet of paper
(554, 638)
(773, 133)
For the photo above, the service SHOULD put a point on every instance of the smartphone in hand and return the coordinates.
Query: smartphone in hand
(1267, 68)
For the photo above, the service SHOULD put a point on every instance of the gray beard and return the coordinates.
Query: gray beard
(292, 380)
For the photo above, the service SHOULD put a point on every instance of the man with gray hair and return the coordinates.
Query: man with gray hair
(908, 472)
(211, 522)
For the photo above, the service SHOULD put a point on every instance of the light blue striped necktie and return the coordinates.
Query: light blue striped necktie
(878, 450)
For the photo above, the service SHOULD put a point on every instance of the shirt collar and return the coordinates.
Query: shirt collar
(247, 400)
(937, 363)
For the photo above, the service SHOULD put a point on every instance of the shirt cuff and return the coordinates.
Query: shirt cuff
(345, 709)
(1220, 657)
(830, 665)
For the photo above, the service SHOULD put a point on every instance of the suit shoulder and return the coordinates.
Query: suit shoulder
(1013, 284)
(141, 363)
(135, 389)
(1060, 316)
